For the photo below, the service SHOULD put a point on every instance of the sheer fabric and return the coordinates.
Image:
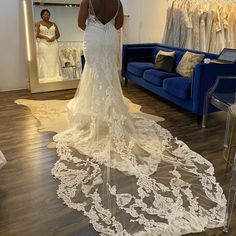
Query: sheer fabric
(3, 160)
(126, 173)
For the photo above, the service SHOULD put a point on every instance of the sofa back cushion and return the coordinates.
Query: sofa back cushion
(179, 52)
(138, 68)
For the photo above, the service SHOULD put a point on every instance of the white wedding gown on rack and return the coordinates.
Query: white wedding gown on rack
(126, 173)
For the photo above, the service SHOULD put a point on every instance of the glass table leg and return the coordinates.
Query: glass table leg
(228, 121)
(230, 206)
(231, 198)
(205, 110)
(204, 121)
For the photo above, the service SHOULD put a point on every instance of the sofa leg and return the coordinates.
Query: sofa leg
(203, 123)
(126, 81)
(199, 119)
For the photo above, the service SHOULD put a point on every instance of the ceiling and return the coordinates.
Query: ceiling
(59, 1)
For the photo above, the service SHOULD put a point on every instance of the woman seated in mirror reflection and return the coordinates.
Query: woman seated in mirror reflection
(126, 173)
(47, 34)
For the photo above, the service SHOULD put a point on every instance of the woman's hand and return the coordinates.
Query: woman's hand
(47, 39)
(53, 39)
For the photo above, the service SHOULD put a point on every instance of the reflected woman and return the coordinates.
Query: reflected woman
(47, 34)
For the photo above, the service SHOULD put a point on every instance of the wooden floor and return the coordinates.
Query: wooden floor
(28, 200)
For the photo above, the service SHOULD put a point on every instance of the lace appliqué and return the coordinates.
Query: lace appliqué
(126, 173)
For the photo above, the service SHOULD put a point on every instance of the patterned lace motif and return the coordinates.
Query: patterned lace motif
(126, 173)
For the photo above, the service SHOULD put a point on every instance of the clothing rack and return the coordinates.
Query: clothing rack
(56, 4)
(205, 25)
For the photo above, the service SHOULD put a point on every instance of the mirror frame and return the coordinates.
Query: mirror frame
(34, 85)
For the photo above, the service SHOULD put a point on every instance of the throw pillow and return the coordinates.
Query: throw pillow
(188, 62)
(165, 61)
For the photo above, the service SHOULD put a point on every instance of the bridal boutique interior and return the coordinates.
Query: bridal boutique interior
(28, 191)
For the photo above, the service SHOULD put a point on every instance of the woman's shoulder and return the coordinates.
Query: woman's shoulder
(38, 23)
(84, 3)
(53, 23)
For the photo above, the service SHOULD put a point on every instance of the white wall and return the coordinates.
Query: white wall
(145, 24)
(13, 63)
(146, 20)
(66, 20)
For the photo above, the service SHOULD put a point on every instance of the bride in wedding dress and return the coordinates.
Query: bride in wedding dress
(47, 34)
(126, 173)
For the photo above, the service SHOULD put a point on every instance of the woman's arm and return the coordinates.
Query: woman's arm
(119, 18)
(83, 14)
(57, 33)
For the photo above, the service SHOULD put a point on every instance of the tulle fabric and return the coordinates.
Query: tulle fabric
(3, 160)
(126, 173)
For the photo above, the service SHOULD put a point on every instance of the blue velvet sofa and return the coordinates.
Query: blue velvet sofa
(138, 66)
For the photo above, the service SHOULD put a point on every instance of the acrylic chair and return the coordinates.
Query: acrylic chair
(221, 99)
(231, 144)
(232, 187)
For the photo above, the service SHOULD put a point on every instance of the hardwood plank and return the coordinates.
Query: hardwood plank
(28, 200)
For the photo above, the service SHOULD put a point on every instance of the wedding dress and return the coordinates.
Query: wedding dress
(48, 56)
(208, 24)
(3, 160)
(126, 173)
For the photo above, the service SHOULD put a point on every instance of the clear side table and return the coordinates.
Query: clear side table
(73, 67)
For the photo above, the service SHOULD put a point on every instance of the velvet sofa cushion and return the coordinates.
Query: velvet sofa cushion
(156, 77)
(138, 68)
(178, 86)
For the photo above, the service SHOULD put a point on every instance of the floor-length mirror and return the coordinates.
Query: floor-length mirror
(54, 44)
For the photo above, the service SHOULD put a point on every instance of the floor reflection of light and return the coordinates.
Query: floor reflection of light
(31, 145)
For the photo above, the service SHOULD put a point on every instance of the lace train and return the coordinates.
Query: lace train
(171, 191)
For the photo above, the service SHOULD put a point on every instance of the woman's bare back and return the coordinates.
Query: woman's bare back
(105, 10)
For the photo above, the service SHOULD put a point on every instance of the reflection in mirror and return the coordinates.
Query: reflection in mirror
(58, 54)
(54, 44)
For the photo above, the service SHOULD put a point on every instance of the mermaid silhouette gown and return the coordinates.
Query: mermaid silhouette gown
(48, 56)
(126, 173)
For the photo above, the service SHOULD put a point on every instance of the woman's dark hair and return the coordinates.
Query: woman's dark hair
(43, 11)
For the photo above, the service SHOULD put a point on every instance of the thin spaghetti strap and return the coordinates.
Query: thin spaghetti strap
(91, 10)
(118, 3)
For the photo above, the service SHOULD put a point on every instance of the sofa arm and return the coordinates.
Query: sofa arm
(137, 52)
(204, 77)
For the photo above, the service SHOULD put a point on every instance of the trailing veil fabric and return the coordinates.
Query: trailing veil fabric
(126, 173)
(3, 160)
